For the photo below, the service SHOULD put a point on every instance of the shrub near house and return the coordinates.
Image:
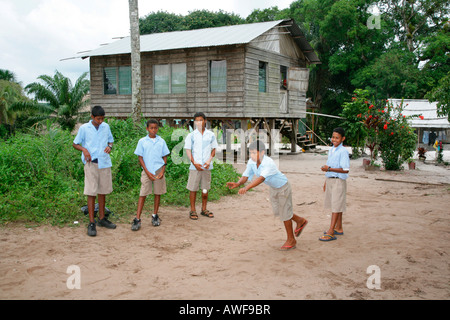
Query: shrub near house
(383, 128)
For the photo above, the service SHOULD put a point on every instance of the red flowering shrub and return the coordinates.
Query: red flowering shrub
(383, 127)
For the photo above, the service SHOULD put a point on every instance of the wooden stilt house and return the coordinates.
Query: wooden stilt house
(251, 74)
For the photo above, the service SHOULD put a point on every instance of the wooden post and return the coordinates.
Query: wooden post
(135, 61)
(294, 135)
(271, 125)
(243, 141)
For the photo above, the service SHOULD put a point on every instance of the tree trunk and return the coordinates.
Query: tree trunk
(135, 61)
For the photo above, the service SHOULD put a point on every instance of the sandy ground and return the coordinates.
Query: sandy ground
(396, 221)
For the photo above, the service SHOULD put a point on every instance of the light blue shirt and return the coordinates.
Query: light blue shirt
(152, 152)
(201, 146)
(267, 169)
(95, 141)
(338, 158)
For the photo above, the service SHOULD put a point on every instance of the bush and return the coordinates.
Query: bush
(39, 177)
(397, 139)
(42, 176)
(383, 127)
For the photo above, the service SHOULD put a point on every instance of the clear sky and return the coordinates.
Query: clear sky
(36, 34)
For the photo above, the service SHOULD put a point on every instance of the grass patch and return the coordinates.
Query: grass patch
(42, 176)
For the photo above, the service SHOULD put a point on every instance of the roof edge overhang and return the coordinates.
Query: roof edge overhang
(121, 46)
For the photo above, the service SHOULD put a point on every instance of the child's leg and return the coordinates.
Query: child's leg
(91, 207)
(156, 202)
(290, 242)
(141, 202)
(204, 200)
(298, 220)
(338, 227)
(192, 196)
(101, 206)
(334, 219)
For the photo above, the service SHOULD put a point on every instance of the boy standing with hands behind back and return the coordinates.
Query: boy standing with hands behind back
(95, 141)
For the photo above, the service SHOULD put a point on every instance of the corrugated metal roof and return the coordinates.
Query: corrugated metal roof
(209, 37)
(425, 108)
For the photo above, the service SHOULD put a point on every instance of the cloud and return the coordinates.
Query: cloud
(36, 34)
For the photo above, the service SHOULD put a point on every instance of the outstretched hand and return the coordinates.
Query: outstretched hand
(232, 185)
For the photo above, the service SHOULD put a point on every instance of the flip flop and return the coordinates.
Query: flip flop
(287, 248)
(336, 233)
(298, 231)
(327, 237)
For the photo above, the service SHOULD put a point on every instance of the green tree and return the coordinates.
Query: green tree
(63, 99)
(200, 19)
(7, 75)
(10, 94)
(161, 21)
(269, 14)
(415, 19)
(394, 74)
(441, 94)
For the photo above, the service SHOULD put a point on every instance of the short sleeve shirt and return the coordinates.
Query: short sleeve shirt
(95, 141)
(201, 146)
(338, 158)
(267, 169)
(152, 152)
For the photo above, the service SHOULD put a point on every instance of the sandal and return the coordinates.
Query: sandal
(193, 215)
(327, 237)
(207, 213)
(298, 231)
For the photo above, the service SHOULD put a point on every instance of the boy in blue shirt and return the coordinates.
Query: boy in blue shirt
(200, 145)
(335, 187)
(265, 170)
(95, 141)
(152, 152)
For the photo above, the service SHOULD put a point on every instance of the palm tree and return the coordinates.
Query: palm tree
(7, 75)
(14, 104)
(63, 100)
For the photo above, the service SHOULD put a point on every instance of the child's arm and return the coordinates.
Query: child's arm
(191, 158)
(233, 185)
(163, 170)
(148, 173)
(254, 183)
(337, 170)
(108, 148)
(87, 155)
(208, 162)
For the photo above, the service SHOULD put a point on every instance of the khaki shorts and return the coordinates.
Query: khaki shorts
(97, 181)
(159, 186)
(197, 178)
(281, 200)
(336, 195)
